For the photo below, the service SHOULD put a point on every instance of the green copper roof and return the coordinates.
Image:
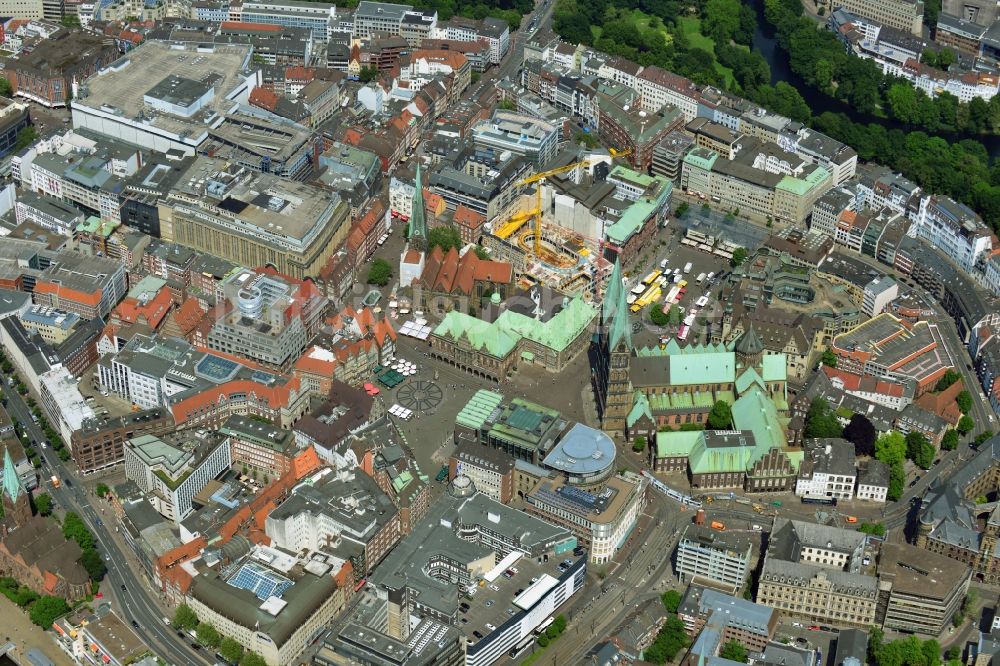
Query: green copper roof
(748, 378)
(418, 225)
(801, 186)
(11, 484)
(612, 293)
(640, 408)
(621, 327)
(624, 173)
(775, 368)
(631, 221)
(502, 336)
(478, 409)
(704, 368)
(754, 411)
(676, 444)
(702, 158)
(705, 460)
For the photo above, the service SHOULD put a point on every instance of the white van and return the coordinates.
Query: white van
(663, 264)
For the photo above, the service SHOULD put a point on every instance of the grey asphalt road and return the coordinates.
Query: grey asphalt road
(136, 602)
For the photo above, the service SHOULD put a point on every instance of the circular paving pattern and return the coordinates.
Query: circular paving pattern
(419, 395)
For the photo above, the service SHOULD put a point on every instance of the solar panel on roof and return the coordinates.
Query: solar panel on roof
(262, 582)
(577, 495)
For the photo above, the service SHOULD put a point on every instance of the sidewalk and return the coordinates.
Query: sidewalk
(19, 630)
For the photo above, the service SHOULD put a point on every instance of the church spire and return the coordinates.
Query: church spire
(612, 292)
(418, 223)
(621, 327)
(11, 484)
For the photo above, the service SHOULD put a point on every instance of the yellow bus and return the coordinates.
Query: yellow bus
(651, 278)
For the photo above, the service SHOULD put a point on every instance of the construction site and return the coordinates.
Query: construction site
(545, 253)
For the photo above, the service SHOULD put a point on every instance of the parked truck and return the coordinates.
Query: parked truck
(55, 482)
(716, 525)
(687, 268)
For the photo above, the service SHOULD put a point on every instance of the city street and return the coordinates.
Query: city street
(135, 601)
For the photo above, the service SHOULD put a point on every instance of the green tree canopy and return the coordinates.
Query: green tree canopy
(379, 272)
(208, 635)
(368, 74)
(671, 600)
(252, 659)
(950, 440)
(657, 315)
(102, 490)
(25, 138)
(965, 425)
(74, 528)
(45, 611)
(739, 256)
(639, 444)
(230, 650)
(890, 448)
(862, 434)
(445, 237)
(829, 359)
(721, 416)
(821, 420)
(947, 379)
(919, 449)
(6, 91)
(91, 561)
(43, 502)
(964, 401)
(185, 618)
(734, 651)
(875, 529)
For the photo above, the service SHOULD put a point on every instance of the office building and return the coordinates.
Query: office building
(714, 619)
(260, 448)
(165, 96)
(466, 538)
(269, 601)
(709, 557)
(827, 470)
(818, 573)
(320, 18)
(100, 442)
(523, 135)
(378, 17)
(490, 469)
(271, 319)
(46, 74)
(255, 219)
(955, 230)
(343, 511)
(601, 517)
(926, 589)
(173, 470)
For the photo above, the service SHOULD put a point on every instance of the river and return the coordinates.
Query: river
(764, 40)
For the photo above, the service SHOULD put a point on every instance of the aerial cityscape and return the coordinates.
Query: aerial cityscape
(508, 332)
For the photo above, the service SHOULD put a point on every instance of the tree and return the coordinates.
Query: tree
(671, 600)
(862, 434)
(368, 74)
(674, 315)
(207, 635)
(74, 528)
(43, 503)
(964, 401)
(445, 237)
(950, 440)
(6, 91)
(982, 437)
(508, 105)
(230, 650)
(657, 315)
(70, 21)
(919, 449)
(45, 611)
(875, 529)
(252, 659)
(184, 618)
(91, 561)
(721, 416)
(829, 359)
(102, 490)
(739, 256)
(25, 138)
(681, 209)
(890, 448)
(949, 378)
(821, 420)
(380, 272)
(559, 623)
(965, 425)
(897, 480)
(734, 651)
(481, 253)
(587, 139)
(543, 641)
(639, 444)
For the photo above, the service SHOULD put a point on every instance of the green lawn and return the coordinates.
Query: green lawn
(691, 27)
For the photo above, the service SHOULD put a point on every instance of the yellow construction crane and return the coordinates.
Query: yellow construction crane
(515, 222)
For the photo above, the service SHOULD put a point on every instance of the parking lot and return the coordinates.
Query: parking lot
(678, 256)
